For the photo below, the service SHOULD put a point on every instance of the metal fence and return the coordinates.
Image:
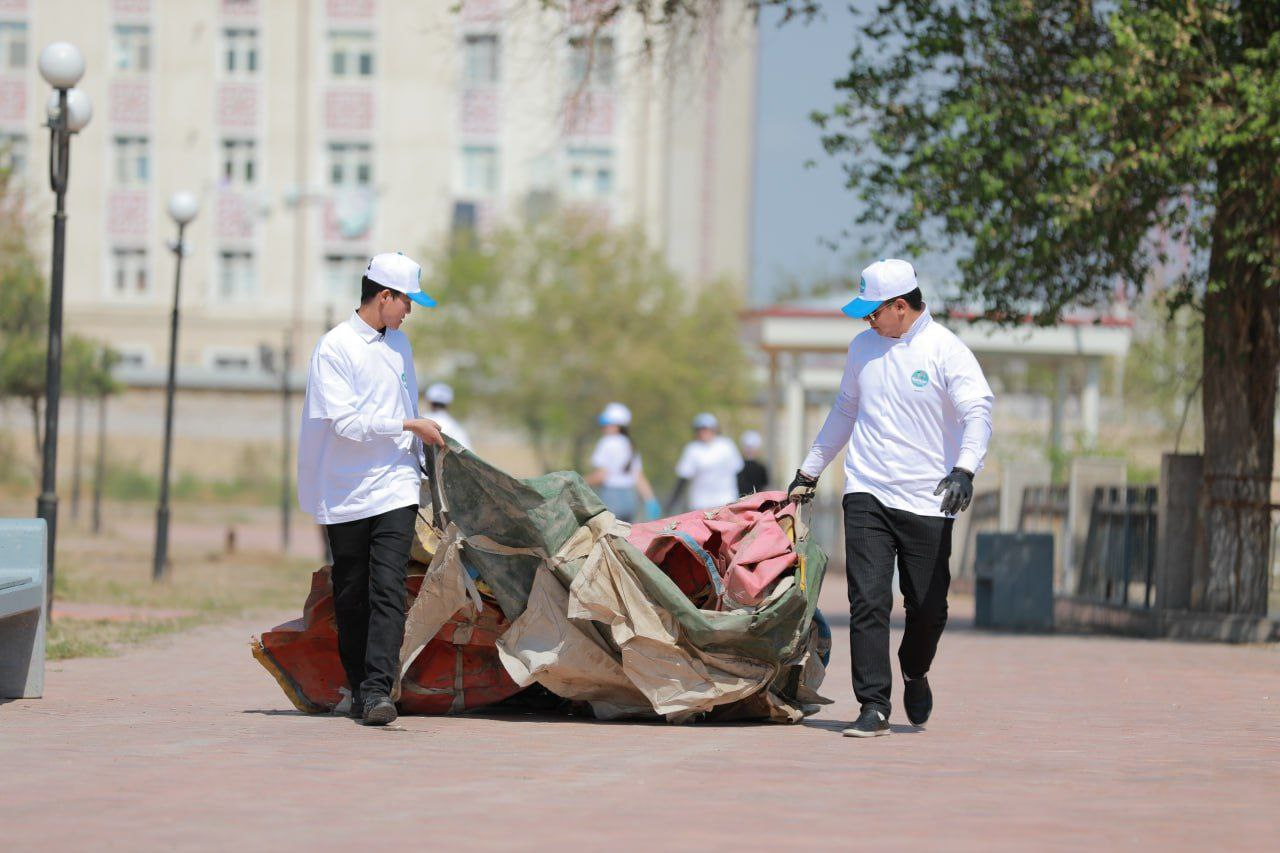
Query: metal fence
(1118, 564)
(984, 517)
(1044, 510)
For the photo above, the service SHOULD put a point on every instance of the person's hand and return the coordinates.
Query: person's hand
(802, 488)
(425, 429)
(957, 491)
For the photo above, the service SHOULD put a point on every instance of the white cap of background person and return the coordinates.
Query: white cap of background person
(884, 280)
(397, 271)
(615, 414)
(751, 441)
(440, 393)
(705, 420)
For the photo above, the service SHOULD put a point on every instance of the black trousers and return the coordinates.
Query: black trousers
(874, 537)
(370, 556)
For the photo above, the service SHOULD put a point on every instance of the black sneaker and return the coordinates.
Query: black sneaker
(379, 710)
(917, 699)
(870, 723)
(356, 711)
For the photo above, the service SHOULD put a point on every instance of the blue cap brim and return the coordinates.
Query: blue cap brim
(858, 309)
(422, 299)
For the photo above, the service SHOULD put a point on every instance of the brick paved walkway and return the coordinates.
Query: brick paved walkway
(1037, 742)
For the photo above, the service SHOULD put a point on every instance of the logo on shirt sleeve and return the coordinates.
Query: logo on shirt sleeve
(919, 379)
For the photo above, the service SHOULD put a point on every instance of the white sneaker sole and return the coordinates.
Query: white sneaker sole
(851, 732)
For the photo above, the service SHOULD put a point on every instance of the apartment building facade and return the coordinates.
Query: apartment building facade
(317, 132)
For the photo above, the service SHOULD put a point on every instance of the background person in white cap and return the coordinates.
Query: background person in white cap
(708, 467)
(359, 475)
(617, 472)
(754, 476)
(439, 399)
(913, 416)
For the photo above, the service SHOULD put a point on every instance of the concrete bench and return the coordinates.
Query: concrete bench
(22, 596)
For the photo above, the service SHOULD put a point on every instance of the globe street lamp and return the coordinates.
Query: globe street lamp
(183, 207)
(69, 111)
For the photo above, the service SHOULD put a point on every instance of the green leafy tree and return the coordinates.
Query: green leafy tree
(542, 325)
(1056, 145)
(24, 318)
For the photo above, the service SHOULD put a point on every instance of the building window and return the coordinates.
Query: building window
(131, 48)
(237, 277)
(240, 52)
(13, 154)
(479, 178)
(342, 274)
(590, 173)
(350, 54)
(239, 162)
(129, 279)
(591, 62)
(132, 161)
(13, 45)
(350, 164)
(480, 60)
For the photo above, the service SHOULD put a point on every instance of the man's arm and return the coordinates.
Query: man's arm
(972, 398)
(835, 432)
(333, 399)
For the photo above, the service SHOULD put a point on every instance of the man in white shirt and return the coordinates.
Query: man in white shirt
(359, 473)
(439, 399)
(914, 418)
(708, 467)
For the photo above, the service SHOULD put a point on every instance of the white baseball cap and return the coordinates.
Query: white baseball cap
(882, 281)
(439, 392)
(397, 271)
(705, 420)
(751, 440)
(615, 414)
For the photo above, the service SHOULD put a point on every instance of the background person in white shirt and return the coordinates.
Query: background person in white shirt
(617, 472)
(439, 399)
(359, 475)
(913, 418)
(708, 467)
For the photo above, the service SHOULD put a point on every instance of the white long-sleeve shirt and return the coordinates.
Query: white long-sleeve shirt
(909, 410)
(355, 459)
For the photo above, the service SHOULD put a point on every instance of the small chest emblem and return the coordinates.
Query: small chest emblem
(919, 379)
(404, 380)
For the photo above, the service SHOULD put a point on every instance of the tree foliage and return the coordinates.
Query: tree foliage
(547, 322)
(1059, 145)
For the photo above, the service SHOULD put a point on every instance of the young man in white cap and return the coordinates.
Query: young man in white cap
(708, 467)
(914, 417)
(359, 474)
(439, 399)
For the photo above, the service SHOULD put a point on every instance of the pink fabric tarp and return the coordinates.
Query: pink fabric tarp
(747, 541)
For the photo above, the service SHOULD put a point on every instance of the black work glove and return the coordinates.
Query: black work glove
(802, 488)
(957, 491)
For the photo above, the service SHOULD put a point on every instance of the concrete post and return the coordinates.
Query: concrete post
(1090, 403)
(771, 418)
(1179, 539)
(793, 393)
(1014, 480)
(1058, 417)
(1087, 473)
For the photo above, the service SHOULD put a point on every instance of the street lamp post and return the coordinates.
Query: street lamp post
(182, 209)
(69, 111)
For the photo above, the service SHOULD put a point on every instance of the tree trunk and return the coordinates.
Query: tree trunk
(1241, 357)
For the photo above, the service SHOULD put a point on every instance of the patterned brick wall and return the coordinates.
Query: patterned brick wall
(236, 215)
(13, 99)
(350, 9)
(127, 215)
(589, 114)
(237, 105)
(348, 109)
(481, 112)
(129, 103)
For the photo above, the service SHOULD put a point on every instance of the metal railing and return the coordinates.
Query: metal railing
(984, 517)
(1118, 564)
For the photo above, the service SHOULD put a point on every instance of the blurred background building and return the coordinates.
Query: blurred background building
(317, 132)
